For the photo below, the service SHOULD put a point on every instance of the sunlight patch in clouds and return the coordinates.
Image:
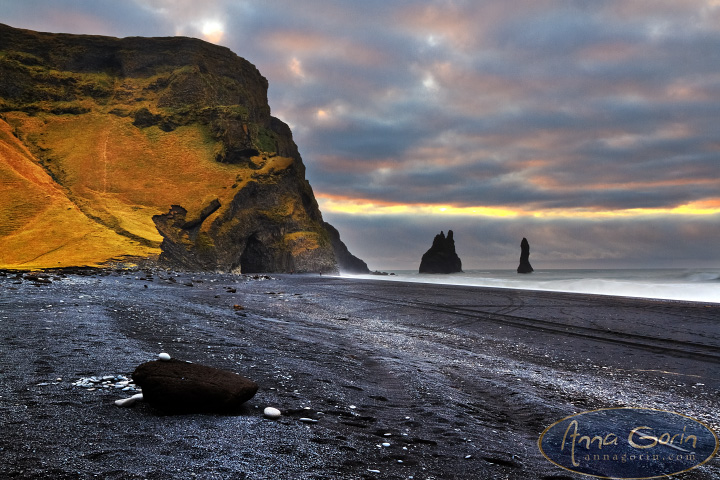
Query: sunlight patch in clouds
(429, 82)
(212, 31)
(296, 68)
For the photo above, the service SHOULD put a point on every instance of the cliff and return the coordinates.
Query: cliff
(347, 262)
(148, 147)
(441, 257)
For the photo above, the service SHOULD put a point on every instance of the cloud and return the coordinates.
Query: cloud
(542, 107)
(117, 19)
(204, 20)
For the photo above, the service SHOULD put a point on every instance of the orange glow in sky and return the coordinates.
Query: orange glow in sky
(370, 207)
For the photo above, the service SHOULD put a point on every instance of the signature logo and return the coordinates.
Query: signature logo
(628, 443)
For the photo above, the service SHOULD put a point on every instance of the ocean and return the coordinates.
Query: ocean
(697, 285)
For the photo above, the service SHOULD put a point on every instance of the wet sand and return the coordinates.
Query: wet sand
(459, 381)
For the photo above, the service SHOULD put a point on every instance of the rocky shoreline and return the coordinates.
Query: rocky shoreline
(374, 380)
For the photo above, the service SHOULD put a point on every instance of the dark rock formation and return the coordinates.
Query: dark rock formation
(441, 258)
(174, 386)
(347, 262)
(524, 266)
(253, 234)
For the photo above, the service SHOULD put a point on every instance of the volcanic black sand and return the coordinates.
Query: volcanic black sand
(404, 380)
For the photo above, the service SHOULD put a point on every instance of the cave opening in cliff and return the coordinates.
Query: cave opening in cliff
(253, 258)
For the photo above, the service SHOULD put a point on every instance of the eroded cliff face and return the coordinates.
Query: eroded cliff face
(273, 235)
(347, 262)
(157, 146)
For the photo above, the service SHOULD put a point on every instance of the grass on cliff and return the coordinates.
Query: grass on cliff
(39, 226)
(83, 183)
(114, 177)
(299, 242)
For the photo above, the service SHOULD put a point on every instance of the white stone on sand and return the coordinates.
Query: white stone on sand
(272, 413)
(126, 402)
(164, 356)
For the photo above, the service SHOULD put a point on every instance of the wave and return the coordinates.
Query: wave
(666, 284)
(704, 277)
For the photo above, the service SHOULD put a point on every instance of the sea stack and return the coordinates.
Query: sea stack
(524, 266)
(441, 258)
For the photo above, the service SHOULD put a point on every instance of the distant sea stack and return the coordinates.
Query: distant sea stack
(116, 149)
(441, 258)
(524, 266)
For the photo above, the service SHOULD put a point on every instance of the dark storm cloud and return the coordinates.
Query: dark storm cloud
(587, 75)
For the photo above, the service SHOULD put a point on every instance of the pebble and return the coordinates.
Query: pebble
(164, 356)
(308, 420)
(126, 402)
(385, 444)
(113, 381)
(272, 413)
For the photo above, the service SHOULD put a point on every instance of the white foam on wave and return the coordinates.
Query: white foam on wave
(695, 286)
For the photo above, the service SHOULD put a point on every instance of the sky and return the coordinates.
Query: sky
(590, 127)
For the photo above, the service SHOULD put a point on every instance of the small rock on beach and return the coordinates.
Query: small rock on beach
(174, 386)
(127, 402)
(272, 413)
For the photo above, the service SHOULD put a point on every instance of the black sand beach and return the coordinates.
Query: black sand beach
(404, 380)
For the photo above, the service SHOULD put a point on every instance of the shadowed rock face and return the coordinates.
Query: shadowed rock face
(160, 147)
(250, 240)
(524, 266)
(347, 262)
(441, 258)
